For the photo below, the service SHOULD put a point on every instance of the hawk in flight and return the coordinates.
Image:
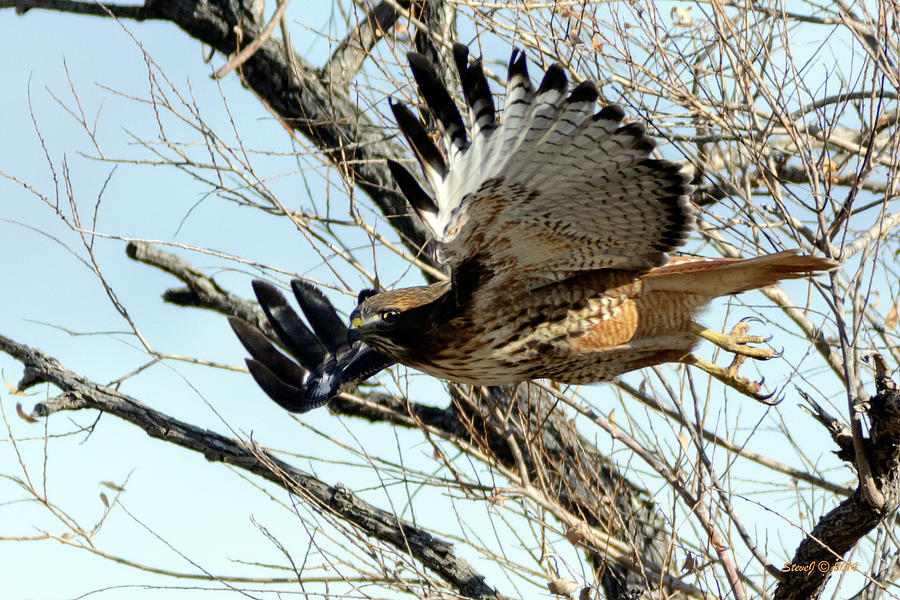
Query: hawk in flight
(554, 223)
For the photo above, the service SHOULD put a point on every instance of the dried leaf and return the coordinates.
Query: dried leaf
(577, 533)
(596, 43)
(681, 16)
(685, 442)
(104, 499)
(13, 390)
(112, 486)
(23, 415)
(830, 169)
(890, 322)
(562, 587)
(689, 563)
(585, 593)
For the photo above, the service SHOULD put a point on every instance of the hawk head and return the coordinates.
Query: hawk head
(396, 321)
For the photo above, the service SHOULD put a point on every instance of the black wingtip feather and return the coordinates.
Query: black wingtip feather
(417, 137)
(634, 129)
(287, 396)
(554, 79)
(613, 112)
(517, 64)
(478, 95)
(262, 350)
(319, 312)
(461, 58)
(292, 332)
(665, 166)
(438, 99)
(638, 133)
(264, 288)
(418, 61)
(586, 91)
(415, 195)
(644, 145)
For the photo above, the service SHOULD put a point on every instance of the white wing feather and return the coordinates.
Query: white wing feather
(554, 187)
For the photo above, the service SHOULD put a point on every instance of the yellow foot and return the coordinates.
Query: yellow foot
(736, 342)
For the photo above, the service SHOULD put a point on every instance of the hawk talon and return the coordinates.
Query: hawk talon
(747, 321)
(730, 377)
(765, 398)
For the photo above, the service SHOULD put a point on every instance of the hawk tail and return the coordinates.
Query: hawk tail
(723, 276)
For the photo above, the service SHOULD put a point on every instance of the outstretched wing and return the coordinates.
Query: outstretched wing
(551, 188)
(323, 362)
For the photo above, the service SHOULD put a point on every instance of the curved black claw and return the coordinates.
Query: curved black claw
(752, 319)
(779, 353)
(323, 360)
(767, 398)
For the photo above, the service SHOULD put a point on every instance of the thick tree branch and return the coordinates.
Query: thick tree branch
(79, 393)
(202, 291)
(348, 58)
(119, 11)
(842, 528)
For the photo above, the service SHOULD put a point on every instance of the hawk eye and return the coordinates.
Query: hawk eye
(364, 295)
(390, 315)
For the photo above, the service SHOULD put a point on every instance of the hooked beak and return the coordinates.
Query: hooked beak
(353, 334)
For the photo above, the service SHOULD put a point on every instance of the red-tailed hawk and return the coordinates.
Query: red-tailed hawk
(554, 224)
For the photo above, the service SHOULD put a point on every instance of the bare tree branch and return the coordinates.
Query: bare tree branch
(349, 56)
(80, 393)
(96, 9)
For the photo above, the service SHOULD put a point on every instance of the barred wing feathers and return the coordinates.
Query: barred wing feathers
(550, 188)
